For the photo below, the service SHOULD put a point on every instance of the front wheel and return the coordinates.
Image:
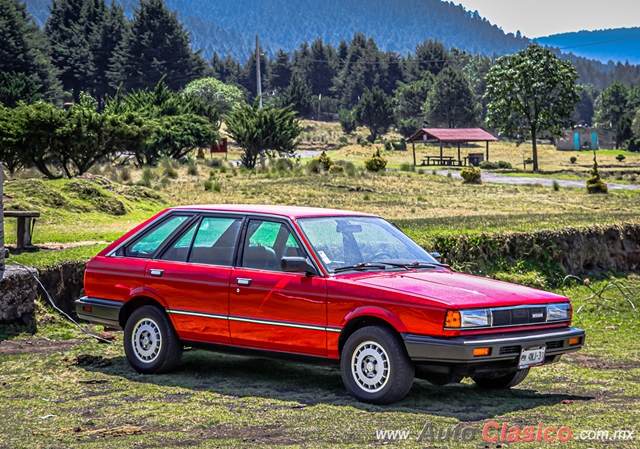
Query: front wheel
(375, 366)
(150, 341)
(502, 382)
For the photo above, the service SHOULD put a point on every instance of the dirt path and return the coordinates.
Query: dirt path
(548, 182)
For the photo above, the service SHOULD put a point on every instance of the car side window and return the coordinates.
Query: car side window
(179, 251)
(266, 242)
(146, 245)
(215, 241)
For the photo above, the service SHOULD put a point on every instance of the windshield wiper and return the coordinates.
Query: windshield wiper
(362, 266)
(416, 264)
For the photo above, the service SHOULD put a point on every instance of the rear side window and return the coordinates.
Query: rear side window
(215, 241)
(146, 245)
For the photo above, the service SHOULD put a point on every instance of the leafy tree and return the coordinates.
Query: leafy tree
(613, 111)
(348, 121)
(11, 127)
(268, 129)
(635, 127)
(176, 124)
(24, 57)
(160, 48)
(407, 127)
(529, 93)
(298, 95)
(223, 97)
(430, 55)
(74, 30)
(375, 111)
(451, 102)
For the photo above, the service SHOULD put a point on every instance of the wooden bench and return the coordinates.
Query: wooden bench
(26, 222)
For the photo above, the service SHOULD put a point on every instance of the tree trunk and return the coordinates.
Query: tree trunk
(535, 149)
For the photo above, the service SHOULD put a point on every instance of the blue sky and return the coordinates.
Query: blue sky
(535, 18)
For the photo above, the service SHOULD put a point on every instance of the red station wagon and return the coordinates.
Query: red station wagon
(318, 284)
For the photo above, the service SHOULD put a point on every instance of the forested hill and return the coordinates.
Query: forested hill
(230, 26)
(620, 44)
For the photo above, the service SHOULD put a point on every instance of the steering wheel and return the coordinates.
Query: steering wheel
(381, 255)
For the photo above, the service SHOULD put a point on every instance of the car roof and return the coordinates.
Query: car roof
(292, 212)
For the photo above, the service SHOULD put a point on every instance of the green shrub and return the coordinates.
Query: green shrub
(208, 185)
(314, 166)
(192, 168)
(407, 167)
(488, 165)
(283, 164)
(336, 169)
(504, 164)
(471, 175)
(347, 119)
(375, 162)
(595, 184)
(223, 169)
(407, 127)
(421, 171)
(573, 159)
(215, 162)
(125, 174)
(169, 167)
(401, 145)
(147, 177)
(620, 157)
(387, 145)
(555, 185)
(633, 145)
(343, 139)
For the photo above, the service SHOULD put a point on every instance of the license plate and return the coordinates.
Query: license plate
(532, 356)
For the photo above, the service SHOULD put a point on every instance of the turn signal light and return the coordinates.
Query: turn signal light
(479, 352)
(452, 319)
(86, 308)
(575, 341)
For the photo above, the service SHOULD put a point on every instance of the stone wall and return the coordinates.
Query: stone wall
(17, 296)
(592, 249)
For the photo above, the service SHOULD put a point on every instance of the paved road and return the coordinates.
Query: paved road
(516, 180)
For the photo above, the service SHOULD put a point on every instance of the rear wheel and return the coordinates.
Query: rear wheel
(150, 341)
(375, 366)
(502, 382)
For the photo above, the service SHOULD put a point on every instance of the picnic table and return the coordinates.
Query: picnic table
(26, 222)
(443, 160)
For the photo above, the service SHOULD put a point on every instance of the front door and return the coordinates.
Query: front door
(270, 309)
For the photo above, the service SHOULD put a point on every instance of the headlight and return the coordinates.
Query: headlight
(559, 312)
(467, 318)
(474, 318)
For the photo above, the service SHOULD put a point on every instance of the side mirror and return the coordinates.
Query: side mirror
(297, 265)
(436, 256)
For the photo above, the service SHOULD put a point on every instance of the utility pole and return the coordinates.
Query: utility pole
(1, 224)
(258, 77)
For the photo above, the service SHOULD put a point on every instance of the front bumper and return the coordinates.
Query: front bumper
(504, 347)
(99, 311)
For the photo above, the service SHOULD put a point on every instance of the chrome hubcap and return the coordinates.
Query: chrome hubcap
(146, 340)
(370, 366)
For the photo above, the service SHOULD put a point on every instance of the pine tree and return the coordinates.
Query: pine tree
(111, 55)
(322, 68)
(74, 29)
(298, 95)
(281, 70)
(160, 47)
(375, 111)
(24, 57)
(451, 102)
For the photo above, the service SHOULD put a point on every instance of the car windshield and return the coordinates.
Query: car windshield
(346, 244)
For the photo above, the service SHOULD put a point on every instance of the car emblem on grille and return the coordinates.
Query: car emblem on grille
(536, 315)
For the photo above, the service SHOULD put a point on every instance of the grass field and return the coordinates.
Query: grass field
(58, 389)
(72, 392)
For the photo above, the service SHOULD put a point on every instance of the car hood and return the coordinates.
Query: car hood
(457, 289)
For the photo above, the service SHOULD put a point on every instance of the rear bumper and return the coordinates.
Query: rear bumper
(504, 347)
(100, 311)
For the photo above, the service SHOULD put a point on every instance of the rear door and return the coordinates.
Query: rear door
(270, 309)
(192, 276)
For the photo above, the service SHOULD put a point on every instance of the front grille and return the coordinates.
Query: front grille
(555, 344)
(509, 350)
(519, 316)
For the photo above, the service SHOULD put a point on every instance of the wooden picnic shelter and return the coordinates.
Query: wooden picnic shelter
(449, 136)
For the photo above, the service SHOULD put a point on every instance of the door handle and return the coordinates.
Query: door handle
(243, 281)
(155, 272)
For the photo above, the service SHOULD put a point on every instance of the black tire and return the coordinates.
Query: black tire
(150, 341)
(375, 366)
(502, 382)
